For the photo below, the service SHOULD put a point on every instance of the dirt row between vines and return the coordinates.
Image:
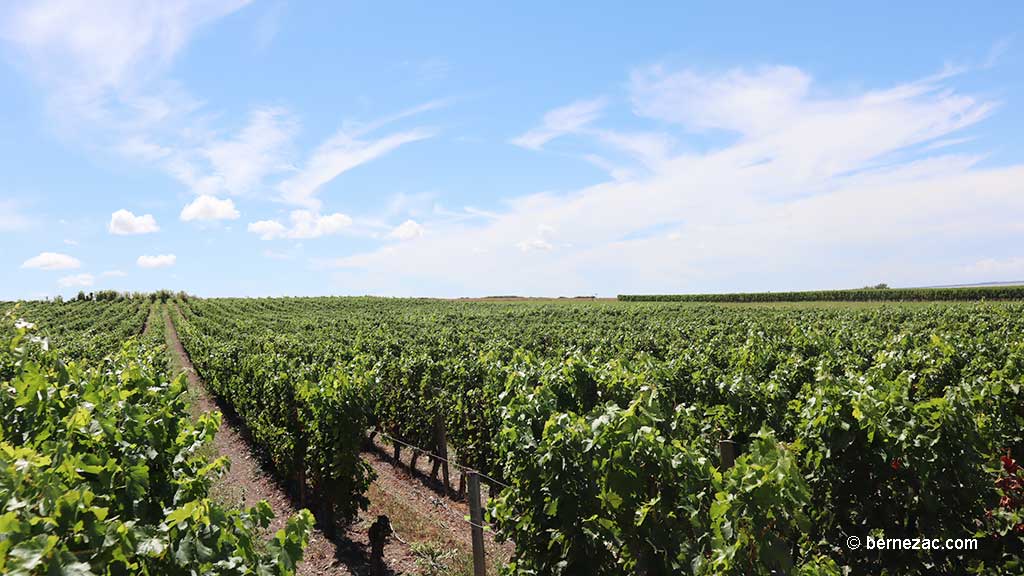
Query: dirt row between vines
(431, 533)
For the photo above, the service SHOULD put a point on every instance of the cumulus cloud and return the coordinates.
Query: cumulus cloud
(124, 223)
(52, 261)
(407, 230)
(76, 280)
(304, 224)
(159, 261)
(209, 208)
(268, 229)
(562, 121)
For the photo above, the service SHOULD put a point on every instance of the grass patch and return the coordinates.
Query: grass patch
(436, 552)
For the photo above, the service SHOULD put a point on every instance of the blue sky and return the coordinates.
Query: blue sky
(227, 147)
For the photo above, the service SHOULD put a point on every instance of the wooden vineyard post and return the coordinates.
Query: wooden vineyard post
(441, 439)
(476, 518)
(300, 456)
(437, 450)
(726, 454)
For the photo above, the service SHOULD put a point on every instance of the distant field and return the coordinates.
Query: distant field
(973, 293)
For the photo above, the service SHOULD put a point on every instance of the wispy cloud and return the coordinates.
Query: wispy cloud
(239, 164)
(268, 24)
(106, 66)
(748, 102)
(104, 62)
(997, 51)
(808, 178)
(1008, 269)
(561, 121)
(104, 43)
(261, 157)
(339, 154)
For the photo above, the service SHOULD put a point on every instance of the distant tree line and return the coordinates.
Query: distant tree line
(114, 295)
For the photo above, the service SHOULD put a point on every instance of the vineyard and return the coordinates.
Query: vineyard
(599, 423)
(102, 470)
(880, 294)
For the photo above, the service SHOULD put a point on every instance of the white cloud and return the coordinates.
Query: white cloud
(52, 261)
(339, 154)
(160, 261)
(240, 164)
(209, 208)
(561, 121)
(814, 186)
(742, 101)
(70, 242)
(102, 43)
(263, 151)
(113, 274)
(407, 230)
(268, 229)
(997, 51)
(105, 65)
(535, 245)
(76, 280)
(304, 224)
(124, 223)
(996, 269)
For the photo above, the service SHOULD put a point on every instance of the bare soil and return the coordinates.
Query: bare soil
(432, 535)
(449, 511)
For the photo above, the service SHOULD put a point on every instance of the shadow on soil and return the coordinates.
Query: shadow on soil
(354, 556)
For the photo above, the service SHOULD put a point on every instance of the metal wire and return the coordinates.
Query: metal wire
(488, 528)
(445, 460)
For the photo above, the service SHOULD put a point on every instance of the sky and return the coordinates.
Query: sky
(265, 148)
